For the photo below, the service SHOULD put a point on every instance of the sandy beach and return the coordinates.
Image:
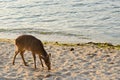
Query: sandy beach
(69, 62)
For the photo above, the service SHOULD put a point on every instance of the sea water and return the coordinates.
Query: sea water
(62, 20)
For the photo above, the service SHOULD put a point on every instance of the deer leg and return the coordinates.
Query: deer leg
(16, 52)
(41, 60)
(21, 53)
(34, 57)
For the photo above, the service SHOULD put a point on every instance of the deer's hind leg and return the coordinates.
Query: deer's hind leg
(16, 53)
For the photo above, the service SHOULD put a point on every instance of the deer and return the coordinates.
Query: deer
(30, 43)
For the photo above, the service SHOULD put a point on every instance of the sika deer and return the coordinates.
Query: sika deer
(30, 43)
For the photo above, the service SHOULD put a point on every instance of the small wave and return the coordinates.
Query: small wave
(50, 20)
(79, 4)
(105, 18)
(7, 0)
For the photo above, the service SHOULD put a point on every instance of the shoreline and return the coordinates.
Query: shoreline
(62, 38)
(102, 45)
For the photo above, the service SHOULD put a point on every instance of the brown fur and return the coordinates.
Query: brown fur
(30, 43)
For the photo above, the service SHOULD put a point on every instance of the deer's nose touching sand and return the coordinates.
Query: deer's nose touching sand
(31, 43)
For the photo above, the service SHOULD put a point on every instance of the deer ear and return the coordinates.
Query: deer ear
(49, 54)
